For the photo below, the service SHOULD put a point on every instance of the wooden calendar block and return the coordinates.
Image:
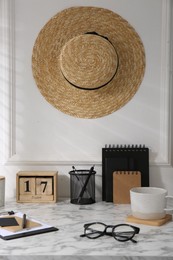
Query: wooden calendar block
(36, 186)
(44, 186)
(27, 186)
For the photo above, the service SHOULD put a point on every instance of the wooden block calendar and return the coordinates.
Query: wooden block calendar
(36, 186)
(123, 181)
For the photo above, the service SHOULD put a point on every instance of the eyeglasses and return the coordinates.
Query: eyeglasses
(121, 232)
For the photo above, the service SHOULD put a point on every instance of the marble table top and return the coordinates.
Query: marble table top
(66, 243)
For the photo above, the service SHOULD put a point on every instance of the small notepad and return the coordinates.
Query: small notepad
(123, 181)
(8, 222)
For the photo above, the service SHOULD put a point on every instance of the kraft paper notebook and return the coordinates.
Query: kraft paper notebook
(12, 226)
(123, 181)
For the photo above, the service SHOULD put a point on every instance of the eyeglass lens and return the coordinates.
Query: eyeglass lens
(94, 230)
(123, 232)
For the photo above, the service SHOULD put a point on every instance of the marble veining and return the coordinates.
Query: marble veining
(153, 242)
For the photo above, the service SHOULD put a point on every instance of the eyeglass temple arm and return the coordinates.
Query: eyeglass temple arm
(96, 231)
(83, 235)
(133, 240)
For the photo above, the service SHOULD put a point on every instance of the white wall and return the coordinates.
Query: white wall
(36, 136)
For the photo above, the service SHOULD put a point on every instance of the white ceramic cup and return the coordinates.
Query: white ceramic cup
(2, 191)
(149, 202)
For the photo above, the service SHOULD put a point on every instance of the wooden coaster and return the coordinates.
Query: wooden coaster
(151, 222)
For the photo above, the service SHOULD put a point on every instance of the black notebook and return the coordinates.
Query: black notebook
(133, 158)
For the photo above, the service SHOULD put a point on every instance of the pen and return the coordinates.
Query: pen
(24, 221)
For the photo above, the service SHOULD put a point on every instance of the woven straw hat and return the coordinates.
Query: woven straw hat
(88, 61)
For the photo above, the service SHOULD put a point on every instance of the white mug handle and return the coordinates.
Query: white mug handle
(169, 197)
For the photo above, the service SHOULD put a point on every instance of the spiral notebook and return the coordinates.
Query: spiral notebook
(123, 181)
(123, 158)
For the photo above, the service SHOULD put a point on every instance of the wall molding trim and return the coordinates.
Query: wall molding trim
(8, 86)
(8, 78)
(166, 84)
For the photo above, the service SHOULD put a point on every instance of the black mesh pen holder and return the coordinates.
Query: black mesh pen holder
(82, 186)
